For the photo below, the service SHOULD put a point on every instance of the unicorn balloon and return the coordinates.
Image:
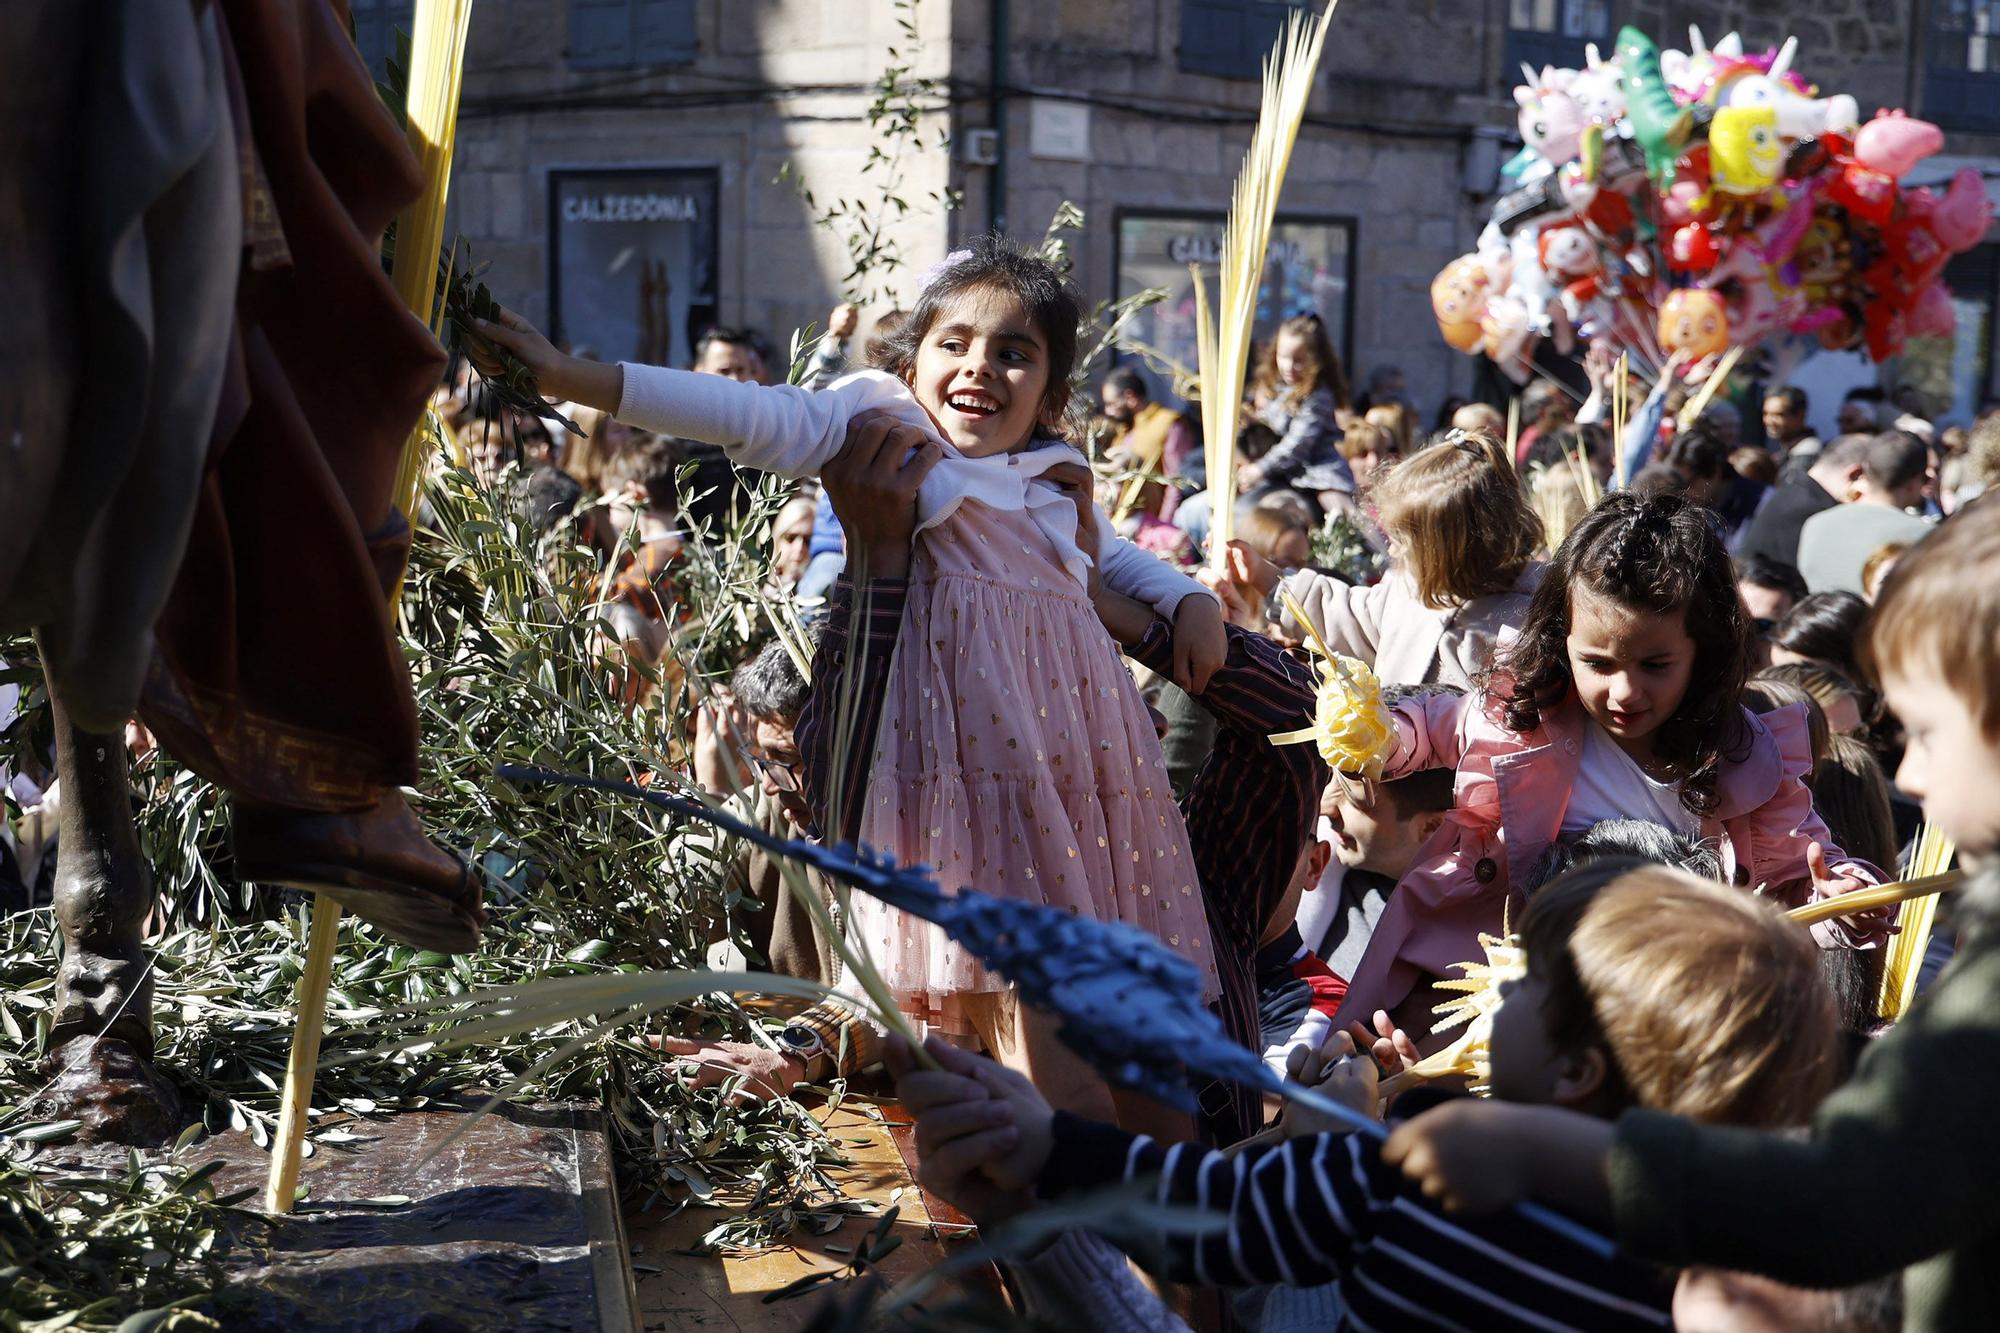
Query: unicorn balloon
(1599, 89)
(1689, 73)
(1550, 120)
(1770, 82)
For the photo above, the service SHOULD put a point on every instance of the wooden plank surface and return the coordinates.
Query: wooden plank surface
(727, 1293)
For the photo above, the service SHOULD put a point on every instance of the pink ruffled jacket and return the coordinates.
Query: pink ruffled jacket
(1511, 792)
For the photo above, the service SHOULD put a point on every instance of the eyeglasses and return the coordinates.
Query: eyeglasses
(784, 776)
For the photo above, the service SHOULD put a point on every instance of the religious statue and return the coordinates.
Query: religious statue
(206, 382)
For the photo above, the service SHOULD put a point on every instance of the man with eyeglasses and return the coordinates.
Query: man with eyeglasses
(768, 693)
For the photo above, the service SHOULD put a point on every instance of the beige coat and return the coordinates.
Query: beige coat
(1388, 626)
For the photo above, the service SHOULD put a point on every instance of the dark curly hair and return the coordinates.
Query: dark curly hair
(994, 263)
(1659, 555)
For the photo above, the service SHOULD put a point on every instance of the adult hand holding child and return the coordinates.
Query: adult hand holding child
(873, 483)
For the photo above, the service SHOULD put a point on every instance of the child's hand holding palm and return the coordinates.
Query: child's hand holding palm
(559, 377)
(983, 1131)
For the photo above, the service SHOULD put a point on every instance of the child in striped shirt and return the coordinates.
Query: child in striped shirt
(1646, 988)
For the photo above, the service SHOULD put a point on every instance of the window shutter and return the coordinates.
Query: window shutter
(664, 32)
(600, 33)
(1230, 38)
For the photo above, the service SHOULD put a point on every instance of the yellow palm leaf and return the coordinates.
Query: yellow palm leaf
(1223, 342)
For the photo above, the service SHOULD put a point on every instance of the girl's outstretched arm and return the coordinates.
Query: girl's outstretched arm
(561, 377)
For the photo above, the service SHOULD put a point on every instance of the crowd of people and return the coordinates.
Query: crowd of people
(1645, 694)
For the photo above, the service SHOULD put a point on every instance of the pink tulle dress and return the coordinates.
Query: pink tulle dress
(1016, 757)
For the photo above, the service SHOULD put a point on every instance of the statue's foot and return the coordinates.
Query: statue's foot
(119, 1096)
(376, 863)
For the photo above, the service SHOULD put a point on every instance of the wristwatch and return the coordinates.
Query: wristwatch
(803, 1043)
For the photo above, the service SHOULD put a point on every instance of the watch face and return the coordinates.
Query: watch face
(800, 1040)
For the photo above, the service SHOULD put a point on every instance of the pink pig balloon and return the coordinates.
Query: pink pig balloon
(1677, 204)
(1959, 220)
(1894, 142)
(1932, 315)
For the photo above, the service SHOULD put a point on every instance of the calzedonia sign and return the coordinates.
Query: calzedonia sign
(632, 254)
(648, 207)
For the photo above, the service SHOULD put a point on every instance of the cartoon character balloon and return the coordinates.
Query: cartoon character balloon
(1458, 298)
(1550, 122)
(1659, 123)
(1770, 82)
(1745, 157)
(1694, 321)
(1689, 73)
(1599, 89)
(1894, 142)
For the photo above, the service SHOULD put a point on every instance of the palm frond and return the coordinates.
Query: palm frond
(1223, 342)
(1906, 951)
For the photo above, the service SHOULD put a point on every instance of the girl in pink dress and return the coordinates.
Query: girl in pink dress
(1015, 754)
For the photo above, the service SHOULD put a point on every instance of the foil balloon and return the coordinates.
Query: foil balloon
(1745, 157)
(1886, 330)
(1960, 219)
(1932, 315)
(1894, 142)
(1771, 83)
(1866, 193)
(1458, 298)
(1694, 321)
(1659, 123)
(1692, 248)
(1599, 89)
(1550, 121)
(1505, 335)
(1689, 73)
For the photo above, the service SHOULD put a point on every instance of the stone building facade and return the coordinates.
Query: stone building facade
(578, 113)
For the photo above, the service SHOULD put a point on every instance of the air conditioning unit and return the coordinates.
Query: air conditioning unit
(980, 148)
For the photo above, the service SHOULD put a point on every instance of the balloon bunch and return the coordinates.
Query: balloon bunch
(1693, 200)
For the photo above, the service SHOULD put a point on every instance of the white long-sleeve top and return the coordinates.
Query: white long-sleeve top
(794, 432)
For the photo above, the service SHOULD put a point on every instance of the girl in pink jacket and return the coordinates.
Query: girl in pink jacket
(1619, 700)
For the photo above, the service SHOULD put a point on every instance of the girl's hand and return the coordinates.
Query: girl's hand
(1248, 475)
(558, 377)
(1199, 642)
(1394, 1050)
(1861, 927)
(515, 334)
(1235, 610)
(1340, 1071)
(1252, 570)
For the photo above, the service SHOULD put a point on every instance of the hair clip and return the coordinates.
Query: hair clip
(939, 269)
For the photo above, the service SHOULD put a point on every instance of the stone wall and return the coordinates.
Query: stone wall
(1404, 134)
(775, 83)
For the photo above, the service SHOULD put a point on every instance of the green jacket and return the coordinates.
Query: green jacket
(1901, 1170)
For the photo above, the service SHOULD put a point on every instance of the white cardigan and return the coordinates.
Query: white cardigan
(1388, 626)
(794, 432)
